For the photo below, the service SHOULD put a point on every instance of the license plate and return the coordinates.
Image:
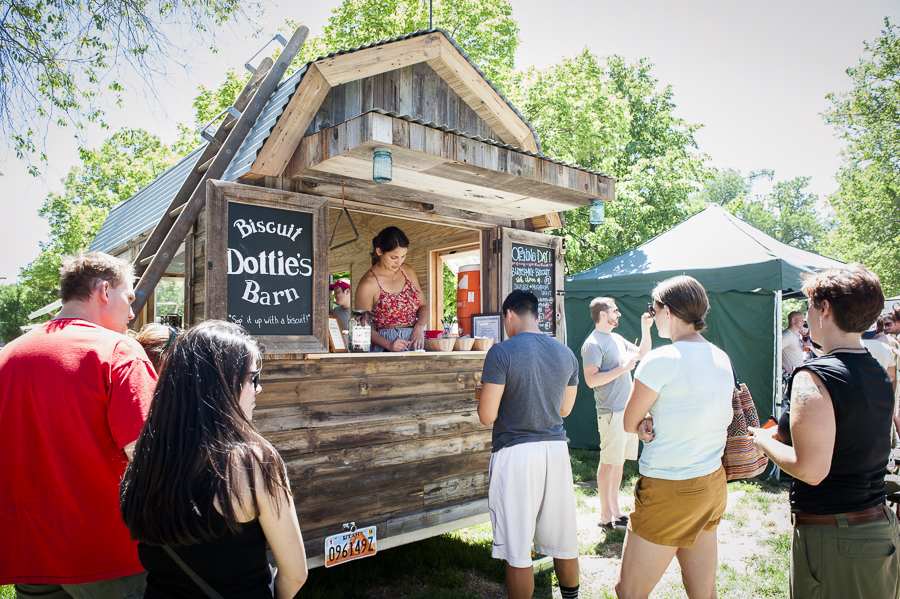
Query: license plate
(348, 546)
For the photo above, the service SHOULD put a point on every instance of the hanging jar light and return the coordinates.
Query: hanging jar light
(381, 166)
(596, 217)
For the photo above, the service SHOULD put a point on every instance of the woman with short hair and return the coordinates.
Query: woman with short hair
(205, 484)
(680, 406)
(835, 441)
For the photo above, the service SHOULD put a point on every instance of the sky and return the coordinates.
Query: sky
(755, 75)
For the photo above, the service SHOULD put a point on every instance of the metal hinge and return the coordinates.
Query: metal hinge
(496, 246)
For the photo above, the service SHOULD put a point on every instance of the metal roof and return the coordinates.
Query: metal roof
(143, 210)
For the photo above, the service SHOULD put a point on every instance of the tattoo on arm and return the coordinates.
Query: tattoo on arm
(804, 389)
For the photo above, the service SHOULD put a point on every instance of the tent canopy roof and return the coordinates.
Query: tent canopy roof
(714, 246)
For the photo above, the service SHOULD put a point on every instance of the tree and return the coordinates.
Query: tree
(14, 310)
(109, 175)
(867, 203)
(58, 57)
(787, 214)
(607, 115)
(730, 185)
(485, 29)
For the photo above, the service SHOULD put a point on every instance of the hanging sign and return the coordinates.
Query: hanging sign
(534, 269)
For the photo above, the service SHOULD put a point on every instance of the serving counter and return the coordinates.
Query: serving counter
(385, 439)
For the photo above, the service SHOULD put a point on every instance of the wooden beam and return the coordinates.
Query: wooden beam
(180, 227)
(204, 160)
(291, 125)
(379, 59)
(479, 94)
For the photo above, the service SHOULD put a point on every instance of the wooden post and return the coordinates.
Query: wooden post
(191, 211)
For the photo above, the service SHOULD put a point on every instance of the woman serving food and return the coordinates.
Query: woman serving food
(391, 292)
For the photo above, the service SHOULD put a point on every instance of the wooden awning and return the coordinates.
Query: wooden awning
(441, 168)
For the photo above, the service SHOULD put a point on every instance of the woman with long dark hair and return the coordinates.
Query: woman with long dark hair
(391, 291)
(680, 406)
(204, 487)
(835, 440)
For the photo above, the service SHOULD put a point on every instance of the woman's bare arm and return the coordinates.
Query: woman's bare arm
(812, 432)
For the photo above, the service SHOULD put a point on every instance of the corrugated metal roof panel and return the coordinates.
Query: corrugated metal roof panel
(266, 121)
(143, 210)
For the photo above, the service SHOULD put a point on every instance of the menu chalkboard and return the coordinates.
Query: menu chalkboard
(534, 270)
(270, 269)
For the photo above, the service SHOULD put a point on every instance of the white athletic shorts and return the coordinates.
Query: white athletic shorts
(531, 500)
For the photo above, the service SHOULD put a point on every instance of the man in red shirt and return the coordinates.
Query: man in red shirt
(74, 393)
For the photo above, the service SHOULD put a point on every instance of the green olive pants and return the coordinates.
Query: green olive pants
(856, 561)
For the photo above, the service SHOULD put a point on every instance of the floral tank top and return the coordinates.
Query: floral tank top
(396, 309)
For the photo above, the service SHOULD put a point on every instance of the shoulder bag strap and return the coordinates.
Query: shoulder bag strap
(211, 592)
(737, 383)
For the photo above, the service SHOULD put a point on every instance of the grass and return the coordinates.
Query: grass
(435, 568)
(767, 575)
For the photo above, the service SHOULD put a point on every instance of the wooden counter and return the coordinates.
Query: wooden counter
(384, 439)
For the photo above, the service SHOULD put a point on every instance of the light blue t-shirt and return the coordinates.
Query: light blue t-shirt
(692, 413)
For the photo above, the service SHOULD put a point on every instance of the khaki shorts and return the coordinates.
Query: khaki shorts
(616, 445)
(675, 512)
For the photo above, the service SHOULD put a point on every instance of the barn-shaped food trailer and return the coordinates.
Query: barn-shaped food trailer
(388, 440)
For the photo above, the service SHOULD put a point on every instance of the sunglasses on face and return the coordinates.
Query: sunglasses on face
(255, 377)
(651, 310)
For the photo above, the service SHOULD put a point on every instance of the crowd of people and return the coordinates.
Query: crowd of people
(133, 467)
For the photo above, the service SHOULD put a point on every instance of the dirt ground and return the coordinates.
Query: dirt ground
(740, 533)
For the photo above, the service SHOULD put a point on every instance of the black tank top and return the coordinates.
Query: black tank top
(234, 565)
(863, 403)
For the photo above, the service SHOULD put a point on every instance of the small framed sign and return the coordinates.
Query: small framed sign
(487, 325)
(336, 336)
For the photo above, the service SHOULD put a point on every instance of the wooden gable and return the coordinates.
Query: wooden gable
(374, 63)
(416, 91)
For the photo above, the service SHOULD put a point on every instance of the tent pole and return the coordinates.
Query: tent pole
(779, 390)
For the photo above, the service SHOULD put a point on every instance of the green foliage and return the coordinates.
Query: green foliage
(485, 29)
(730, 185)
(450, 287)
(867, 203)
(607, 115)
(207, 105)
(58, 57)
(109, 175)
(15, 306)
(787, 214)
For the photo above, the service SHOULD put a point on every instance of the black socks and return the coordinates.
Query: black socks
(569, 592)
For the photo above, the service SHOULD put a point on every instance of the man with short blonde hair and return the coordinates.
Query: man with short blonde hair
(74, 393)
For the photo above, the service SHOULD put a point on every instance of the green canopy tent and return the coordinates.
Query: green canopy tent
(745, 272)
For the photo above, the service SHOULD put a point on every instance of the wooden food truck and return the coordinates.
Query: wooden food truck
(252, 225)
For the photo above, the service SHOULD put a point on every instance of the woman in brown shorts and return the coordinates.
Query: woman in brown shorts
(680, 407)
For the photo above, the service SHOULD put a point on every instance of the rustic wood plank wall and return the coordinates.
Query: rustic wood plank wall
(392, 442)
(416, 91)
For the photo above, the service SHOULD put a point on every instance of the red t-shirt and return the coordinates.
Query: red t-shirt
(72, 396)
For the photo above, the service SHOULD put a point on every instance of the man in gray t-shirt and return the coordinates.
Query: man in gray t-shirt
(529, 384)
(608, 360)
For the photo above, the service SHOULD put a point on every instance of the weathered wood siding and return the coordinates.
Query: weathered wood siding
(384, 441)
(416, 91)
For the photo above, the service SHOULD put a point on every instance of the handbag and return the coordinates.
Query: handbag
(740, 459)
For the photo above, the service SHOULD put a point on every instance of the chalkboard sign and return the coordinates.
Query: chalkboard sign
(270, 268)
(533, 269)
(267, 265)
